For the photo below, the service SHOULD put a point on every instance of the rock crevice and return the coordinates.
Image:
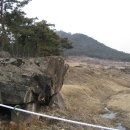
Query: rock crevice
(32, 82)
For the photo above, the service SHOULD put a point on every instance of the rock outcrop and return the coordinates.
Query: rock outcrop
(32, 83)
(4, 54)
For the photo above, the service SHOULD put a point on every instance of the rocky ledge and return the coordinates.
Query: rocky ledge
(32, 83)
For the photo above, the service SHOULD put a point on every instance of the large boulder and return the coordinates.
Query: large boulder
(32, 83)
(4, 54)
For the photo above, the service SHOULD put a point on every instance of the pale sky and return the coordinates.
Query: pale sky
(107, 21)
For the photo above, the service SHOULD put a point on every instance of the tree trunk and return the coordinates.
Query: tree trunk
(2, 24)
(3, 32)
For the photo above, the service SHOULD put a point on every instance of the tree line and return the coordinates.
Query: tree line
(84, 45)
(27, 37)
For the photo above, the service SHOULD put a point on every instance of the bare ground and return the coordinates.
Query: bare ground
(90, 86)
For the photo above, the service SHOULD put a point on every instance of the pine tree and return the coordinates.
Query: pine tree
(8, 7)
(22, 36)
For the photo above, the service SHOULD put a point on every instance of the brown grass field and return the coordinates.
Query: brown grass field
(90, 86)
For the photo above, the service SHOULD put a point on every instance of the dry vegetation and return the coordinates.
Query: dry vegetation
(90, 86)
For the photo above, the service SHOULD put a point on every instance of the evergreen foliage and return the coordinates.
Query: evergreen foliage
(86, 46)
(22, 36)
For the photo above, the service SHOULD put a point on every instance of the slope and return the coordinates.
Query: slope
(87, 46)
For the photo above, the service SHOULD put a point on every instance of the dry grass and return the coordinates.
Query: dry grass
(11, 126)
(90, 86)
(87, 90)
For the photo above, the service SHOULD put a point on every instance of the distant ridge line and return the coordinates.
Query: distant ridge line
(84, 45)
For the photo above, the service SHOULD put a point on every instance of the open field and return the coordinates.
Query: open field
(92, 87)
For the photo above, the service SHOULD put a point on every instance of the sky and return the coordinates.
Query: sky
(107, 21)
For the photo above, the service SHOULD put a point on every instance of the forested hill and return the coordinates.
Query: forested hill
(85, 45)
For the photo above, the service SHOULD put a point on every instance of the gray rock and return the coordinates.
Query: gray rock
(30, 83)
(57, 101)
(4, 54)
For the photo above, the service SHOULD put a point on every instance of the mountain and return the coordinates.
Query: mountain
(87, 46)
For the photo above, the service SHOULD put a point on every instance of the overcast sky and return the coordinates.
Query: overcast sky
(108, 21)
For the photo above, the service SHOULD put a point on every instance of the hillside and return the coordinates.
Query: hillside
(100, 89)
(84, 45)
(94, 91)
